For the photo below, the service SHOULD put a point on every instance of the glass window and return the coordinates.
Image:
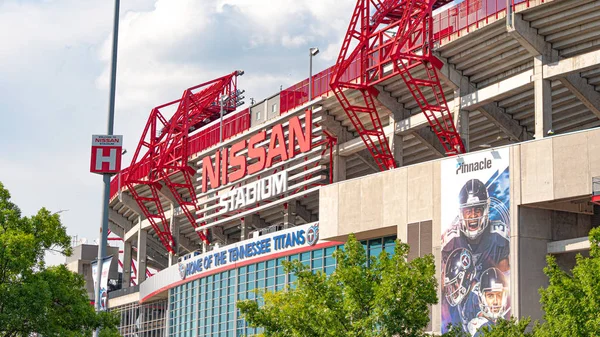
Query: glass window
(329, 251)
(375, 247)
(304, 257)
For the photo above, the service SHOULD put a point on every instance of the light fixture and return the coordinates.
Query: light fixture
(124, 152)
(550, 132)
(313, 51)
(240, 72)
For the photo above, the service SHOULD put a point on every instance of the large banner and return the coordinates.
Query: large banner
(475, 240)
(104, 280)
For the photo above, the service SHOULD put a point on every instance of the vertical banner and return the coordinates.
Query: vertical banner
(475, 222)
(104, 281)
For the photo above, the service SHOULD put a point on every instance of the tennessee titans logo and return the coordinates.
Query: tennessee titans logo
(312, 235)
(182, 270)
(465, 259)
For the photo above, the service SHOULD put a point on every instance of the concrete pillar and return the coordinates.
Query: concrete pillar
(396, 145)
(289, 214)
(339, 166)
(461, 117)
(174, 227)
(244, 230)
(141, 254)
(126, 264)
(542, 99)
(535, 231)
(463, 127)
(397, 149)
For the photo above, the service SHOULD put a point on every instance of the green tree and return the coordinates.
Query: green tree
(34, 298)
(571, 302)
(387, 296)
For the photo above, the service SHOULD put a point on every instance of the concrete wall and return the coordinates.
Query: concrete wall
(535, 231)
(381, 201)
(80, 262)
(264, 110)
(559, 167)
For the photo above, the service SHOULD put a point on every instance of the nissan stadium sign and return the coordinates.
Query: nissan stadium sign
(263, 168)
(229, 165)
(253, 192)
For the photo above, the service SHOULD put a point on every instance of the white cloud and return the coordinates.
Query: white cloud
(54, 71)
(293, 41)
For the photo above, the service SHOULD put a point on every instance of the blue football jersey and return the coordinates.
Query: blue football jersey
(488, 250)
(465, 311)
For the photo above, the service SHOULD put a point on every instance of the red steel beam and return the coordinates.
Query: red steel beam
(392, 38)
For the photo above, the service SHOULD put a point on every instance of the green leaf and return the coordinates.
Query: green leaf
(386, 296)
(50, 301)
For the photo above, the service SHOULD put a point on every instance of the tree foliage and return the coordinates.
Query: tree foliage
(50, 301)
(387, 296)
(571, 302)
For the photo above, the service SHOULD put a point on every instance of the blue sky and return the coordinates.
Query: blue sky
(54, 72)
(54, 66)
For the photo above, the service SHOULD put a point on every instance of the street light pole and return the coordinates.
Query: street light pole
(106, 176)
(311, 52)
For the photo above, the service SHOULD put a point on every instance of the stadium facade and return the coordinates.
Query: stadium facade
(290, 178)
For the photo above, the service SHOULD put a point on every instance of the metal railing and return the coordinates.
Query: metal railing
(447, 25)
(198, 142)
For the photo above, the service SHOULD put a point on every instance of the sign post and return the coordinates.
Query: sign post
(106, 159)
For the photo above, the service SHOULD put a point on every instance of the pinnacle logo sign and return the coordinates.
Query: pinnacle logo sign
(484, 164)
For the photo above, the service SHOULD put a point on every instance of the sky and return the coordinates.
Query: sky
(54, 79)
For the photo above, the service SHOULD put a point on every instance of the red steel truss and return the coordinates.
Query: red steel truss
(392, 38)
(166, 156)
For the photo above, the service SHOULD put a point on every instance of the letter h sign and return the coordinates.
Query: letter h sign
(106, 154)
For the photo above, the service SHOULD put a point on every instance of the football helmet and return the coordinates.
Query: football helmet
(493, 294)
(459, 273)
(474, 207)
